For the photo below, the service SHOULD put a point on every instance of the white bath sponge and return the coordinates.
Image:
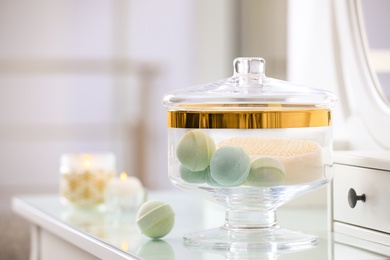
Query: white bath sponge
(302, 159)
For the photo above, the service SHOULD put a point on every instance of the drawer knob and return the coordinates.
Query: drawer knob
(353, 198)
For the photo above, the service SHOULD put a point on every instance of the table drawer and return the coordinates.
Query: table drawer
(374, 213)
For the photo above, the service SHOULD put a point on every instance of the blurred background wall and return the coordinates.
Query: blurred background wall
(89, 76)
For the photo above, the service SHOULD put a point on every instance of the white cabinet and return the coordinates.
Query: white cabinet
(366, 215)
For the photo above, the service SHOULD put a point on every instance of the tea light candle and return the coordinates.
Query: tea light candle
(84, 177)
(124, 193)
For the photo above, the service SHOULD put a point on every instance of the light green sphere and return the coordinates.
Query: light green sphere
(193, 177)
(266, 172)
(195, 149)
(229, 166)
(155, 219)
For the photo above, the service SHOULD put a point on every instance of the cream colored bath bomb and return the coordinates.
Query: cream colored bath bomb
(229, 166)
(195, 149)
(266, 172)
(155, 219)
(302, 159)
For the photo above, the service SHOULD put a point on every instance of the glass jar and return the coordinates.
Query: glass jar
(84, 178)
(250, 143)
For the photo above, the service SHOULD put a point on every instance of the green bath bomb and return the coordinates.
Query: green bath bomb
(229, 166)
(195, 149)
(210, 181)
(193, 177)
(266, 172)
(155, 219)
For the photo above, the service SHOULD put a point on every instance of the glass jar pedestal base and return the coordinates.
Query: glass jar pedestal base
(268, 239)
(250, 225)
(251, 230)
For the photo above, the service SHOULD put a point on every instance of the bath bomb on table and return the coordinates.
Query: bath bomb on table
(302, 159)
(195, 149)
(266, 172)
(155, 219)
(193, 177)
(229, 166)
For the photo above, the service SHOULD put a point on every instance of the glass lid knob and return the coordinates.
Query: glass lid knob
(254, 66)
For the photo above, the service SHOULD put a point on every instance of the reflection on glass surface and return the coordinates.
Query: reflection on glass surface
(375, 20)
(121, 230)
(154, 249)
(259, 253)
(113, 227)
(86, 219)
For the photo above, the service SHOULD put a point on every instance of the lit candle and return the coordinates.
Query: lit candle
(87, 163)
(124, 246)
(124, 193)
(84, 178)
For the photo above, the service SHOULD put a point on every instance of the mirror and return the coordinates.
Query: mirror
(375, 21)
(362, 47)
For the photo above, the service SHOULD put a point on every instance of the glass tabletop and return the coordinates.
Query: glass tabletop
(119, 230)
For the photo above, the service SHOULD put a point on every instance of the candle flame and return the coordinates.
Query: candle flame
(123, 176)
(124, 246)
(87, 164)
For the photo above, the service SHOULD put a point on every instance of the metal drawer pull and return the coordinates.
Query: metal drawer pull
(353, 198)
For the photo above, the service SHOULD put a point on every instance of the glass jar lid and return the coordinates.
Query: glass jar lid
(249, 99)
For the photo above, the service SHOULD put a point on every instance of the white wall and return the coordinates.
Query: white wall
(90, 77)
(61, 89)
